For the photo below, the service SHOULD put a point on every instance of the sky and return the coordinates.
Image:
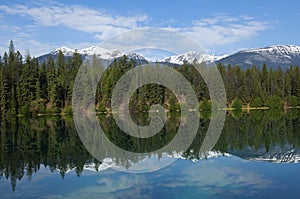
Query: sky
(219, 26)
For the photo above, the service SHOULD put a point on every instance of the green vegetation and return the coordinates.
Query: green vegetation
(31, 88)
(205, 105)
(274, 102)
(237, 104)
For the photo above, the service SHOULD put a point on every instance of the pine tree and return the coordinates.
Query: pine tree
(256, 90)
(42, 82)
(2, 96)
(265, 80)
(62, 87)
(279, 74)
(229, 84)
(52, 84)
(5, 93)
(287, 82)
(12, 83)
(295, 82)
(75, 64)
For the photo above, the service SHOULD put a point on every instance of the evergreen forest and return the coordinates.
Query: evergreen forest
(30, 87)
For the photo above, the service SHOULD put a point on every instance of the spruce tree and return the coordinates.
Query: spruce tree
(62, 87)
(265, 80)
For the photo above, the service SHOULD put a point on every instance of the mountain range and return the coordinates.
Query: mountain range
(273, 56)
(276, 154)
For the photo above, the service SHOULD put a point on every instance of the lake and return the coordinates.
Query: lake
(256, 156)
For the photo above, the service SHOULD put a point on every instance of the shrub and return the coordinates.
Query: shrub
(237, 104)
(101, 107)
(274, 102)
(25, 110)
(205, 105)
(257, 102)
(292, 101)
(67, 110)
(174, 107)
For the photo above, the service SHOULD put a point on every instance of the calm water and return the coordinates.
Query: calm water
(255, 157)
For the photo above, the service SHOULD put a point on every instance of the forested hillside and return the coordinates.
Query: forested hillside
(28, 87)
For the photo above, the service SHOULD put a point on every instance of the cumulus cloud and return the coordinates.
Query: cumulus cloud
(216, 179)
(224, 29)
(77, 17)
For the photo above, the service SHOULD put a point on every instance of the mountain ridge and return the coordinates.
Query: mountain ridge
(286, 155)
(273, 56)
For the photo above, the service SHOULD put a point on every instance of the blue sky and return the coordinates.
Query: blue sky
(223, 26)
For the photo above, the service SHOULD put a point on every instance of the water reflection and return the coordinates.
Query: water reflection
(29, 144)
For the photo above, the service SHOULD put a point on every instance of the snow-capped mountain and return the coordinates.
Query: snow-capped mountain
(286, 50)
(108, 163)
(94, 50)
(65, 50)
(195, 158)
(191, 57)
(139, 59)
(101, 53)
(276, 154)
(273, 56)
(290, 156)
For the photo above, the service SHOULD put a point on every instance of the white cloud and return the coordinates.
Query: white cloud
(218, 180)
(167, 39)
(78, 18)
(223, 30)
(210, 177)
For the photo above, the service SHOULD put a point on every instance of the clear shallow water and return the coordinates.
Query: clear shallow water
(44, 158)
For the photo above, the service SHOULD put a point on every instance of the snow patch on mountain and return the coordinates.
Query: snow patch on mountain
(208, 155)
(101, 52)
(65, 50)
(272, 56)
(276, 50)
(94, 50)
(290, 156)
(110, 163)
(136, 56)
(281, 51)
(275, 56)
(106, 54)
(106, 164)
(191, 57)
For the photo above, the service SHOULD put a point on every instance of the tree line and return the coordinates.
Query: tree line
(30, 87)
